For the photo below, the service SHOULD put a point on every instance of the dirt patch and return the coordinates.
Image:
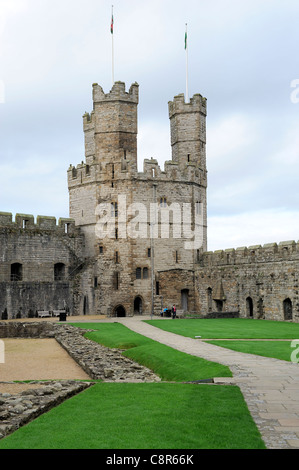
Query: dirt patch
(38, 359)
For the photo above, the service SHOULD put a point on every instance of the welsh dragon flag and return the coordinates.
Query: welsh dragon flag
(112, 24)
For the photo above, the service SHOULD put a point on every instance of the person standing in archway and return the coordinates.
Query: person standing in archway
(173, 311)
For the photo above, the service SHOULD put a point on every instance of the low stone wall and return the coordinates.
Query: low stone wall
(26, 330)
(99, 362)
(16, 410)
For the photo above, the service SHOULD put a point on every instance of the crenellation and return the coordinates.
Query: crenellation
(117, 93)
(253, 254)
(47, 265)
(26, 222)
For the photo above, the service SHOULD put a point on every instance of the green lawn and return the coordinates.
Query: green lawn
(144, 416)
(168, 363)
(231, 328)
(277, 349)
(147, 416)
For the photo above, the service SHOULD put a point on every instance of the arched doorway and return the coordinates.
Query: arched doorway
(119, 311)
(85, 305)
(249, 307)
(184, 299)
(138, 306)
(287, 309)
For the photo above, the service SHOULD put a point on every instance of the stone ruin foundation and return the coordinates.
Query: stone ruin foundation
(100, 363)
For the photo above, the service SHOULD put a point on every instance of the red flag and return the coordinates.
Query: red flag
(112, 24)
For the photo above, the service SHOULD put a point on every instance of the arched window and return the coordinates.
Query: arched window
(138, 273)
(163, 202)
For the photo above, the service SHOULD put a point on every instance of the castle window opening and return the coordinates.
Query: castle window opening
(157, 288)
(209, 298)
(287, 309)
(138, 273)
(25, 223)
(116, 257)
(148, 252)
(95, 282)
(125, 154)
(176, 256)
(163, 202)
(59, 272)
(113, 174)
(66, 228)
(101, 249)
(114, 209)
(188, 157)
(116, 234)
(87, 170)
(116, 280)
(16, 272)
(145, 273)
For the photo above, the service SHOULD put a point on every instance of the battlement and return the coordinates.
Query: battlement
(117, 93)
(179, 106)
(82, 174)
(26, 222)
(172, 171)
(270, 252)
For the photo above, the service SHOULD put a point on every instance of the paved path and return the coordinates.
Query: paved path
(269, 386)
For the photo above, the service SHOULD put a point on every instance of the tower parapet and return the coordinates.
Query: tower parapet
(117, 93)
(188, 130)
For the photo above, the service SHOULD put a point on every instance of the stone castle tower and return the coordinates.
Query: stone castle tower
(121, 271)
(136, 241)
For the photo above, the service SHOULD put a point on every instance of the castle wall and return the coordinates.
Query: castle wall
(268, 275)
(29, 280)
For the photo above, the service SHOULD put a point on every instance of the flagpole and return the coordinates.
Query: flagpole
(186, 48)
(112, 34)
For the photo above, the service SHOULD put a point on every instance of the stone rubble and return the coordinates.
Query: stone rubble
(99, 362)
(18, 410)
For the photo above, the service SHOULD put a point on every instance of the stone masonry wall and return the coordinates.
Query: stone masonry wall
(38, 266)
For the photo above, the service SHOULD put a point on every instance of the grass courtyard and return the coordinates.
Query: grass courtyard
(167, 415)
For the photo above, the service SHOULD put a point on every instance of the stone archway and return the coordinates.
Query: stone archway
(287, 309)
(249, 307)
(119, 311)
(138, 304)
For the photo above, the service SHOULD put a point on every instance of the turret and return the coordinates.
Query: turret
(111, 129)
(188, 130)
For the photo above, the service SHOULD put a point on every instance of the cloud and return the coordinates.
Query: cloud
(252, 228)
(242, 57)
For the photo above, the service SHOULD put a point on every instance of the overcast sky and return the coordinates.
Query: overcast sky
(243, 57)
